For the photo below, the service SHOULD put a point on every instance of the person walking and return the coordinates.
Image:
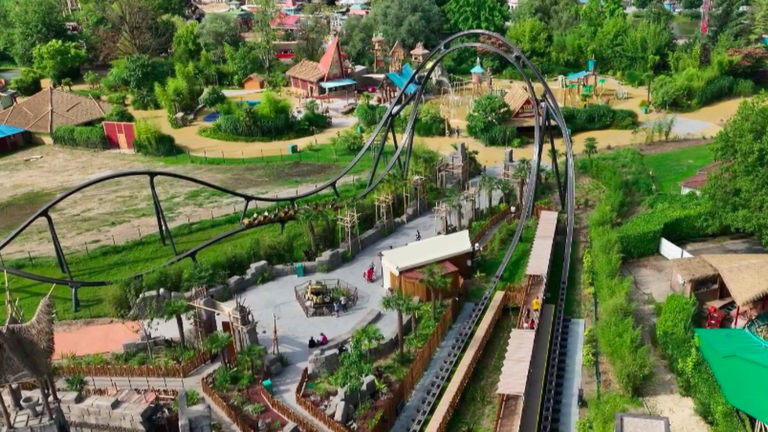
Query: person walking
(336, 308)
(343, 301)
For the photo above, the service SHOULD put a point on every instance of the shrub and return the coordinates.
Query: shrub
(488, 112)
(119, 113)
(150, 141)
(499, 135)
(28, 83)
(91, 137)
(348, 141)
(369, 115)
(634, 78)
(117, 98)
(118, 302)
(597, 117)
(169, 277)
(624, 119)
(212, 96)
(744, 88)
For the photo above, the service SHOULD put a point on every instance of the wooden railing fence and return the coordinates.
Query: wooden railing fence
(173, 371)
(399, 394)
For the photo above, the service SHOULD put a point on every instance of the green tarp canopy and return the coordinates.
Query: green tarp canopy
(739, 361)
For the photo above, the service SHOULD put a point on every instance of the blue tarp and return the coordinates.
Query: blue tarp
(399, 79)
(252, 103)
(212, 117)
(337, 83)
(6, 130)
(577, 75)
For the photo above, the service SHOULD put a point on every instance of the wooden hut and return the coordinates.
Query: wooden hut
(253, 82)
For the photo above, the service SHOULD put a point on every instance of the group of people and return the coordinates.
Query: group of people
(530, 320)
(322, 340)
(339, 306)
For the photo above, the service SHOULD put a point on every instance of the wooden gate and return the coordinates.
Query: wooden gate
(119, 135)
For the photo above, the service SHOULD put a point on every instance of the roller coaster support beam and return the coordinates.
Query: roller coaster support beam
(555, 168)
(245, 210)
(394, 140)
(161, 215)
(62, 260)
(379, 152)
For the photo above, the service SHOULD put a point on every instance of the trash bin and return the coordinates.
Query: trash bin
(359, 129)
(299, 269)
(267, 386)
(293, 149)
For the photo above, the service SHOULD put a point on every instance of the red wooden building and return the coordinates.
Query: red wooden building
(119, 135)
(330, 75)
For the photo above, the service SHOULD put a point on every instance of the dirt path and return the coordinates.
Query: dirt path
(662, 396)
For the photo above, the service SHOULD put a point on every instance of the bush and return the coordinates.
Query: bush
(169, 277)
(28, 83)
(348, 141)
(119, 113)
(212, 96)
(150, 141)
(118, 302)
(675, 337)
(489, 113)
(597, 117)
(117, 98)
(90, 137)
(499, 136)
(369, 115)
(634, 78)
(744, 88)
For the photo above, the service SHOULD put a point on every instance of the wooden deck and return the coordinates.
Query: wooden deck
(452, 394)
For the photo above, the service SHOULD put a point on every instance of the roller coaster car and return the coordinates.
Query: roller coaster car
(318, 293)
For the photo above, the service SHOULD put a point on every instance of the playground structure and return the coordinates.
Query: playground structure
(584, 87)
(547, 118)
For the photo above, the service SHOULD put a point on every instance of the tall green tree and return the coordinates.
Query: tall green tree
(57, 59)
(408, 21)
(759, 12)
(180, 93)
(216, 32)
(309, 38)
(437, 283)
(217, 342)
(738, 191)
(186, 45)
(558, 15)
(532, 37)
(264, 36)
(139, 28)
(477, 14)
(399, 303)
(358, 32)
(32, 23)
(488, 111)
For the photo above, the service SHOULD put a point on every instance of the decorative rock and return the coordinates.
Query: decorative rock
(343, 411)
(331, 410)
(369, 386)
(263, 425)
(177, 296)
(291, 427)
(164, 293)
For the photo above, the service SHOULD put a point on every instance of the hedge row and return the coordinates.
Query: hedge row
(674, 335)
(91, 137)
(674, 217)
(597, 117)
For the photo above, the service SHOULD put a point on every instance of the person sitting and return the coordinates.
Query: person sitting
(533, 325)
(323, 339)
(312, 342)
(342, 349)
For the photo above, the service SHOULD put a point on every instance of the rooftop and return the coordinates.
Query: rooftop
(424, 252)
(541, 251)
(640, 423)
(698, 180)
(44, 111)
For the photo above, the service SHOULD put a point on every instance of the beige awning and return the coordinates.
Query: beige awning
(541, 252)
(517, 363)
(745, 275)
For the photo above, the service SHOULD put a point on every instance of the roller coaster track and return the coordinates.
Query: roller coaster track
(547, 117)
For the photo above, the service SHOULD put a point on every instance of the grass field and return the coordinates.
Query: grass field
(476, 410)
(121, 261)
(671, 167)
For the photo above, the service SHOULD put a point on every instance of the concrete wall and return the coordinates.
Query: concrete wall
(105, 412)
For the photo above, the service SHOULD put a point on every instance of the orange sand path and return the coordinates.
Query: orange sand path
(94, 339)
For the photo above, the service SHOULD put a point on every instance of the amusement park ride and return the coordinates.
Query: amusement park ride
(547, 121)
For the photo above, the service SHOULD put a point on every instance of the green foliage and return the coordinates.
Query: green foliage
(58, 59)
(358, 32)
(150, 141)
(348, 141)
(483, 14)
(255, 409)
(695, 87)
(369, 115)
(180, 93)
(119, 113)
(240, 61)
(674, 334)
(186, 45)
(744, 88)
(408, 21)
(598, 117)
(117, 98)
(217, 31)
(28, 83)
(601, 415)
(353, 366)
(75, 383)
(31, 23)
(137, 74)
(212, 96)
(736, 191)
(217, 341)
(488, 118)
(90, 137)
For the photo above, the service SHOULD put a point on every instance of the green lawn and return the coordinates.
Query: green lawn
(121, 261)
(476, 410)
(671, 167)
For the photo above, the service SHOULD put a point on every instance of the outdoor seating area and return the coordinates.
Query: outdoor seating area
(325, 297)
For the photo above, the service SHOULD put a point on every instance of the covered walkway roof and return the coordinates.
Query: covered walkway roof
(541, 251)
(428, 251)
(517, 363)
(745, 275)
(739, 362)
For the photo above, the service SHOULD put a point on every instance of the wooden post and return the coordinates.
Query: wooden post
(275, 344)
(6, 414)
(736, 318)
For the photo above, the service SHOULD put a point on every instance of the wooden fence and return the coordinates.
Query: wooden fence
(404, 388)
(173, 371)
(219, 402)
(490, 223)
(452, 393)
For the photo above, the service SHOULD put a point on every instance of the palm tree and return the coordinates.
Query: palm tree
(590, 146)
(488, 184)
(250, 357)
(366, 339)
(175, 309)
(307, 218)
(505, 187)
(398, 302)
(217, 342)
(453, 200)
(521, 174)
(437, 282)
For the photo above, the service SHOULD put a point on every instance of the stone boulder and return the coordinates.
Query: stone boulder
(343, 411)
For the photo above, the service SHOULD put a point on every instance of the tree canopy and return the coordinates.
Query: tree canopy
(478, 14)
(218, 30)
(56, 59)
(408, 21)
(30, 23)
